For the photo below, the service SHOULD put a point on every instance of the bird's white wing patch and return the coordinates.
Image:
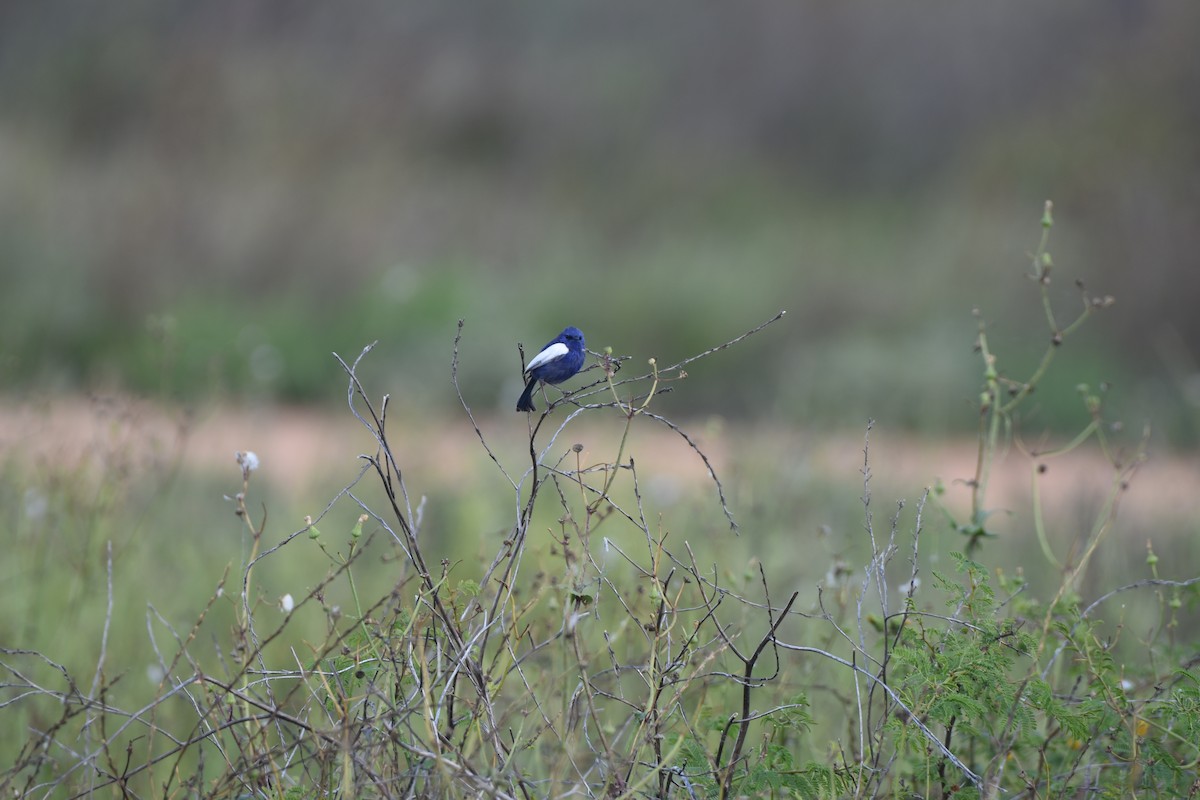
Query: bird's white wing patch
(551, 353)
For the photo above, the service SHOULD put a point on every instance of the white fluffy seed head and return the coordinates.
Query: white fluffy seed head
(247, 460)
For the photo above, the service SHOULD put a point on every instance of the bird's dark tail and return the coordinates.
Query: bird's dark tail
(526, 401)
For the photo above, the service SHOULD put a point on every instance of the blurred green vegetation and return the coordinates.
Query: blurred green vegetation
(206, 201)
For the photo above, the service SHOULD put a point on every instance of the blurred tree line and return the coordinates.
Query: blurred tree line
(203, 200)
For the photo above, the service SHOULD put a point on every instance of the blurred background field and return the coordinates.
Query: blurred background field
(199, 203)
(202, 202)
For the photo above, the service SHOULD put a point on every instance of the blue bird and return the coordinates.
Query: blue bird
(561, 358)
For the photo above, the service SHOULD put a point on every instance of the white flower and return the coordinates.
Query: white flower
(247, 460)
(287, 603)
